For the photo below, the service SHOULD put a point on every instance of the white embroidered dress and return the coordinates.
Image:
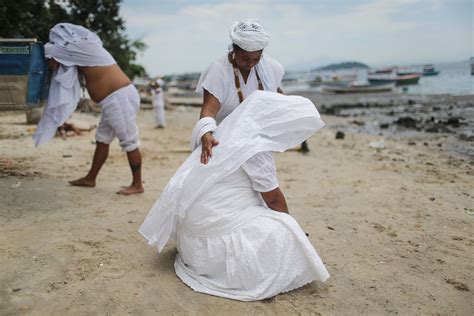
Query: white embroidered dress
(230, 244)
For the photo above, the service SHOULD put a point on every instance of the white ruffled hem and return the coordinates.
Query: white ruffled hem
(265, 257)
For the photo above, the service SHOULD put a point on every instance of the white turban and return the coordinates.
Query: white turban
(249, 35)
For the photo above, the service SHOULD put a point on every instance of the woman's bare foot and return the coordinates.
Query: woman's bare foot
(83, 182)
(133, 189)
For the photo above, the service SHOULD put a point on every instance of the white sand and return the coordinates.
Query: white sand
(394, 226)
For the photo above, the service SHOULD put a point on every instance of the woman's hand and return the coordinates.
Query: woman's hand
(210, 107)
(208, 141)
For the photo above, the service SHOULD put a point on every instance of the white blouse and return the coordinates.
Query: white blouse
(262, 172)
(219, 80)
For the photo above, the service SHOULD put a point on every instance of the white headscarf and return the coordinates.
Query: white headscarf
(71, 45)
(249, 35)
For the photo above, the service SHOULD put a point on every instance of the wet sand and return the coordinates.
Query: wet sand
(393, 225)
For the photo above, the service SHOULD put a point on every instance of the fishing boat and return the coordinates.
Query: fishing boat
(429, 70)
(385, 71)
(407, 79)
(398, 80)
(344, 87)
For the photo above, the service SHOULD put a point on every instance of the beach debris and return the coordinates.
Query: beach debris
(469, 211)
(458, 285)
(411, 143)
(16, 185)
(392, 233)
(67, 156)
(379, 227)
(330, 228)
(453, 121)
(437, 128)
(16, 289)
(407, 122)
(384, 125)
(377, 144)
(358, 123)
(340, 135)
(432, 199)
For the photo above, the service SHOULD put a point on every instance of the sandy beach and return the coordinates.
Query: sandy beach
(394, 225)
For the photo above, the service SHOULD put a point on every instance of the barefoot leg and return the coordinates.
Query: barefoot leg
(135, 161)
(100, 156)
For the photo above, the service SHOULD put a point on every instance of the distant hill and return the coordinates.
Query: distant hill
(344, 65)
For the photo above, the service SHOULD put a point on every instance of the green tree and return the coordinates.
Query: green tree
(34, 18)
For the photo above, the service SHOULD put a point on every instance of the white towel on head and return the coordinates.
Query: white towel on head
(249, 35)
(71, 45)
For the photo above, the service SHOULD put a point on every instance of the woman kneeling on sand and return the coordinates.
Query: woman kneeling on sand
(234, 235)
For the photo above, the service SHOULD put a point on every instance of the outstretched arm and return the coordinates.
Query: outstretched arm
(275, 200)
(210, 107)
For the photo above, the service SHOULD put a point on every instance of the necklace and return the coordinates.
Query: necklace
(237, 80)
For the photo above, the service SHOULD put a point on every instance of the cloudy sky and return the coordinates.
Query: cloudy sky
(185, 35)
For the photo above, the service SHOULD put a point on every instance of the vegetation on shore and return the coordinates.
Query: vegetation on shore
(34, 19)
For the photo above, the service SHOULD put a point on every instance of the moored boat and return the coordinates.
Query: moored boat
(429, 70)
(407, 79)
(339, 87)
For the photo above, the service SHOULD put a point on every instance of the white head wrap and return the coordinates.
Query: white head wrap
(71, 45)
(249, 35)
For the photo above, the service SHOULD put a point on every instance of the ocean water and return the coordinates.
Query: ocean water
(454, 78)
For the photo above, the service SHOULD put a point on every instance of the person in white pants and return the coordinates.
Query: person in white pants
(158, 103)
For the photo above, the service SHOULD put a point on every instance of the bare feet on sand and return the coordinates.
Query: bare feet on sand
(83, 182)
(133, 189)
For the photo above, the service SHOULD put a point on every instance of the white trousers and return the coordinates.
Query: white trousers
(118, 118)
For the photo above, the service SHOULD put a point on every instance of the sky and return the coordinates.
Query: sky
(186, 36)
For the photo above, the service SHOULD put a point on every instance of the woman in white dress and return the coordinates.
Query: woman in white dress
(233, 77)
(234, 235)
(158, 103)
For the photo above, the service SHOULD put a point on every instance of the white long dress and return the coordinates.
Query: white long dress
(232, 245)
(158, 104)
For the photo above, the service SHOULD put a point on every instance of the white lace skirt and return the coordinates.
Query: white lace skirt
(267, 254)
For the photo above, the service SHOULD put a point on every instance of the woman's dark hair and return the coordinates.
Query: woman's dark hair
(236, 47)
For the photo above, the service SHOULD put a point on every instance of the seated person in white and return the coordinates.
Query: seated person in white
(231, 241)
